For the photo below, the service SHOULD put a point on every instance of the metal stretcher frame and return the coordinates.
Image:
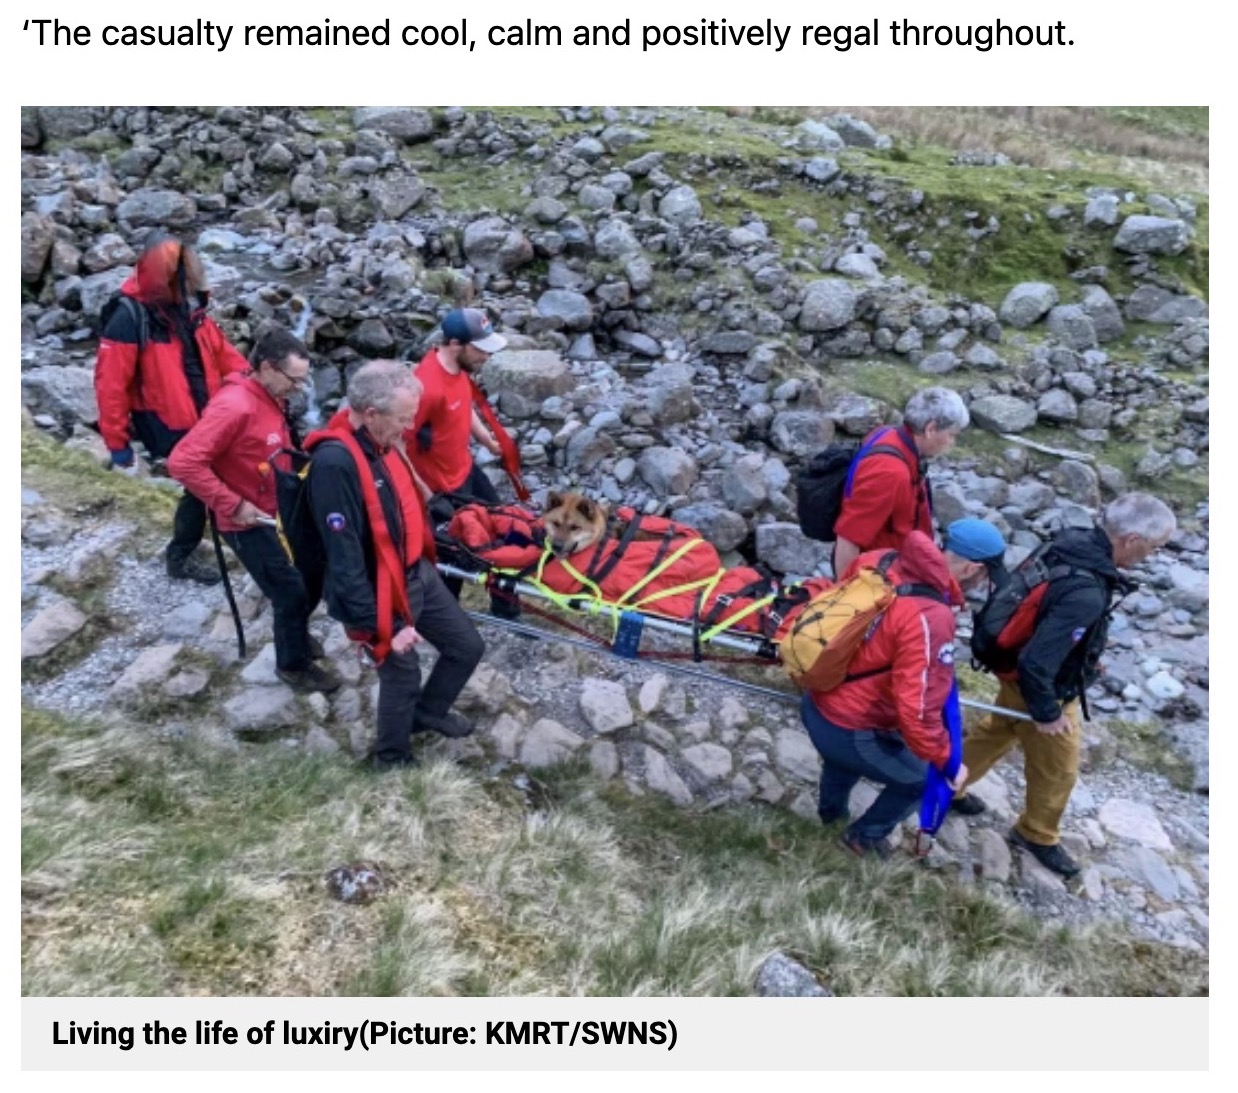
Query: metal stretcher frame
(586, 605)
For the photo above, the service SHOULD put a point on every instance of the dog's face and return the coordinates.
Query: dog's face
(573, 523)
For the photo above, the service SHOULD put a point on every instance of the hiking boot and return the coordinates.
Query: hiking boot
(380, 764)
(1053, 857)
(192, 569)
(449, 724)
(312, 678)
(862, 847)
(966, 804)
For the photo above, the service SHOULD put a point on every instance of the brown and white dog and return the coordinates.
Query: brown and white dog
(573, 523)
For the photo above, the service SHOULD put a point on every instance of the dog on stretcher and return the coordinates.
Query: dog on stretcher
(573, 523)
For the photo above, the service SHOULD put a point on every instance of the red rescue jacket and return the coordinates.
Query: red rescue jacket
(226, 458)
(889, 497)
(911, 656)
(153, 382)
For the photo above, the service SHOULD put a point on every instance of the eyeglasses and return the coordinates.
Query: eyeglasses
(298, 382)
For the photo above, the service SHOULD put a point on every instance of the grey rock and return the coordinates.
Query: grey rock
(588, 448)
(856, 415)
(785, 548)
(547, 743)
(107, 251)
(1003, 414)
(828, 305)
(572, 308)
(794, 753)
(149, 668)
(1152, 235)
(641, 344)
(1077, 481)
(816, 134)
(859, 266)
(522, 379)
(395, 196)
(50, 628)
(605, 705)
(158, 208)
(728, 343)
(37, 236)
(992, 855)
(801, 433)
(1149, 869)
(1073, 326)
(98, 288)
(1058, 406)
(680, 206)
(604, 759)
(822, 169)
(1103, 311)
(1027, 303)
(405, 124)
(614, 238)
(938, 364)
(744, 486)
(1101, 211)
(1134, 821)
(781, 977)
(262, 710)
(660, 776)
(66, 393)
(491, 245)
(667, 471)
(711, 762)
(372, 338)
(1153, 304)
(719, 526)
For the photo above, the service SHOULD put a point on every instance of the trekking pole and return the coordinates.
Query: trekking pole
(223, 573)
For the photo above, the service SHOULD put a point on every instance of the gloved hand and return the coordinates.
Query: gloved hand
(122, 457)
(441, 509)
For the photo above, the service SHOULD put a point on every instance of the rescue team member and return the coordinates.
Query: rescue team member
(160, 359)
(1049, 670)
(380, 577)
(885, 722)
(438, 443)
(889, 496)
(225, 461)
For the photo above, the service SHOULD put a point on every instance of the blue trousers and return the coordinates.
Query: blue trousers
(847, 756)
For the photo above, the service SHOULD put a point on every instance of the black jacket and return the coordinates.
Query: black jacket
(338, 505)
(1060, 661)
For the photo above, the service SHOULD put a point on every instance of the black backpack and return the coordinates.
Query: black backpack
(821, 486)
(294, 521)
(135, 311)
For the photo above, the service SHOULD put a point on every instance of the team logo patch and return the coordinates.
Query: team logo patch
(273, 438)
(1076, 635)
(946, 653)
(336, 521)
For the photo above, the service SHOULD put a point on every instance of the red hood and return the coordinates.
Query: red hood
(920, 561)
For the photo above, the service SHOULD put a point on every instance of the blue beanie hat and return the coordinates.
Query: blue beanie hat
(976, 540)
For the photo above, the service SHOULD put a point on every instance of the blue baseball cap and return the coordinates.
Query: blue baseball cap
(976, 540)
(471, 325)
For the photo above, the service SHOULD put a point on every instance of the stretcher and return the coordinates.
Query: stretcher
(651, 575)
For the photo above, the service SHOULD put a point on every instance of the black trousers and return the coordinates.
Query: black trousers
(477, 487)
(188, 528)
(282, 583)
(401, 697)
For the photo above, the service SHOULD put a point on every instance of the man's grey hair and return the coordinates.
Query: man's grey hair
(374, 385)
(935, 406)
(1139, 514)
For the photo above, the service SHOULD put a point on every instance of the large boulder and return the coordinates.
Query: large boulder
(65, 392)
(572, 309)
(522, 379)
(1073, 326)
(1003, 414)
(785, 548)
(1026, 303)
(720, 526)
(829, 304)
(158, 208)
(1153, 304)
(393, 197)
(801, 433)
(95, 290)
(1152, 235)
(37, 236)
(1058, 406)
(491, 245)
(1103, 311)
(667, 471)
(67, 122)
(680, 206)
(402, 122)
(614, 238)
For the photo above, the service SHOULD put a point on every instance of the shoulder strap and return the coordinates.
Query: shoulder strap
(391, 590)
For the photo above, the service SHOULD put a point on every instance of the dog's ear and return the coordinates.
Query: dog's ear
(553, 500)
(588, 508)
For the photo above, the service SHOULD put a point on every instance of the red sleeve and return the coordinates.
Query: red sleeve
(921, 677)
(880, 495)
(115, 367)
(227, 359)
(190, 463)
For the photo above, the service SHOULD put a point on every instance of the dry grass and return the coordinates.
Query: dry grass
(151, 867)
(1164, 145)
